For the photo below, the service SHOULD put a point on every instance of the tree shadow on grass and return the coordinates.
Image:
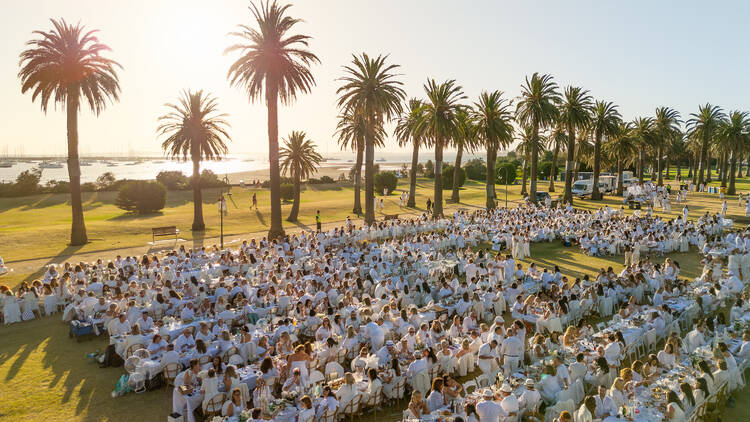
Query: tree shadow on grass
(260, 217)
(129, 216)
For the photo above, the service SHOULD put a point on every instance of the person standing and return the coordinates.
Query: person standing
(429, 205)
(724, 208)
(255, 201)
(317, 221)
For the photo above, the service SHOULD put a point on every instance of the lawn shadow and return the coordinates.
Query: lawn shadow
(301, 225)
(128, 216)
(260, 218)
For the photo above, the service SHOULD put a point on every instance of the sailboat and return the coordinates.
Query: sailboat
(6, 164)
(50, 165)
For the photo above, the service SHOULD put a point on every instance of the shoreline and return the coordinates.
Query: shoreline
(332, 170)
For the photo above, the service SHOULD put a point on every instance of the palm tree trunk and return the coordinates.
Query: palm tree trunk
(654, 166)
(294, 213)
(358, 181)
(595, 194)
(641, 163)
(678, 174)
(553, 169)
(276, 230)
(732, 166)
(723, 169)
(525, 174)
(696, 165)
(619, 176)
(369, 177)
(659, 164)
(747, 174)
(198, 224)
(490, 176)
(666, 167)
(455, 198)
(412, 201)
(78, 226)
(534, 162)
(708, 166)
(701, 162)
(568, 193)
(437, 205)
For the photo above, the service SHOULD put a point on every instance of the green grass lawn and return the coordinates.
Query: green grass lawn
(44, 375)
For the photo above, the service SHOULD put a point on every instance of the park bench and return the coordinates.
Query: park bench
(390, 217)
(164, 231)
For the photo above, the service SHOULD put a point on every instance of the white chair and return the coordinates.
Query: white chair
(213, 407)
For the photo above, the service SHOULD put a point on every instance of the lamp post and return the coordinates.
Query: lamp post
(222, 210)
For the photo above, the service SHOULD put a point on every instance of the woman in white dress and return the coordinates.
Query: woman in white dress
(11, 308)
(30, 303)
(209, 386)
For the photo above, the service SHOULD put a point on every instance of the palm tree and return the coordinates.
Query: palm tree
(299, 159)
(666, 127)
(406, 132)
(464, 139)
(557, 139)
(194, 129)
(575, 113)
(619, 146)
(439, 122)
(370, 88)
(493, 120)
(275, 63)
(537, 109)
(643, 133)
(351, 130)
(704, 126)
(524, 148)
(735, 134)
(604, 121)
(64, 65)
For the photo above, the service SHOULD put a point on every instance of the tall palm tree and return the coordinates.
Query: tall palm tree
(494, 123)
(439, 122)
(643, 133)
(524, 148)
(194, 129)
(537, 109)
(464, 140)
(299, 159)
(407, 132)
(351, 130)
(735, 134)
(666, 127)
(604, 121)
(704, 126)
(557, 139)
(275, 63)
(619, 146)
(575, 114)
(63, 65)
(370, 87)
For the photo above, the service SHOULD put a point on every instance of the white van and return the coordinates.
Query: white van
(582, 187)
(607, 184)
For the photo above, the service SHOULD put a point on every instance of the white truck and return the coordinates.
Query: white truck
(607, 184)
(583, 188)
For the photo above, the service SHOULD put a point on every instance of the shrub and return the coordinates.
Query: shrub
(173, 180)
(505, 172)
(385, 180)
(209, 179)
(447, 173)
(27, 183)
(475, 169)
(429, 169)
(105, 181)
(53, 186)
(321, 181)
(287, 191)
(267, 183)
(544, 169)
(141, 196)
(88, 187)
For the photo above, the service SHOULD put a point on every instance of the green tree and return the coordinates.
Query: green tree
(643, 135)
(407, 132)
(299, 160)
(704, 126)
(557, 140)
(194, 129)
(464, 139)
(276, 63)
(66, 65)
(575, 114)
(666, 127)
(537, 109)
(619, 146)
(734, 133)
(494, 123)
(604, 121)
(439, 122)
(351, 130)
(370, 88)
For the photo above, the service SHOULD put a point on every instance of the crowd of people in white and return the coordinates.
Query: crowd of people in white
(316, 326)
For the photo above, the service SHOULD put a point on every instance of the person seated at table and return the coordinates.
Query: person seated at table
(121, 327)
(390, 378)
(217, 365)
(688, 399)
(184, 341)
(223, 343)
(146, 323)
(359, 363)
(204, 333)
(328, 402)
(348, 391)
(695, 338)
(134, 337)
(324, 331)
(451, 389)
(209, 386)
(488, 409)
(470, 410)
(530, 398)
(231, 380)
(295, 382)
(549, 385)
(187, 403)
(157, 345)
(600, 375)
(577, 370)
(744, 351)
(187, 314)
(617, 392)
(701, 392)
(721, 375)
(509, 401)
(605, 406)
(169, 356)
(417, 406)
(666, 356)
(570, 337)
(299, 360)
(674, 411)
(587, 410)
(235, 405)
(373, 386)
(565, 416)
(307, 413)
(262, 393)
(613, 351)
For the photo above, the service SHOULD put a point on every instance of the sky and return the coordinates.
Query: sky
(638, 54)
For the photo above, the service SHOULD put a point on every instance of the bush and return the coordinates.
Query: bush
(88, 187)
(476, 169)
(173, 180)
(53, 186)
(447, 173)
(544, 169)
(323, 180)
(505, 173)
(209, 179)
(141, 196)
(429, 169)
(27, 183)
(385, 180)
(287, 191)
(283, 180)
(105, 181)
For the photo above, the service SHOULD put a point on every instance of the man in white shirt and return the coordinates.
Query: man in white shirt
(744, 352)
(121, 326)
(509, 403)
(530, 398)
(385, 353)
(512, 351)
(605, 406)
(187, 313)
(170, 356)
(146, 322)
(577, 369)
(488, 410)
(695, 338)
(488, 361)
(185, 341)
(612, 351)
